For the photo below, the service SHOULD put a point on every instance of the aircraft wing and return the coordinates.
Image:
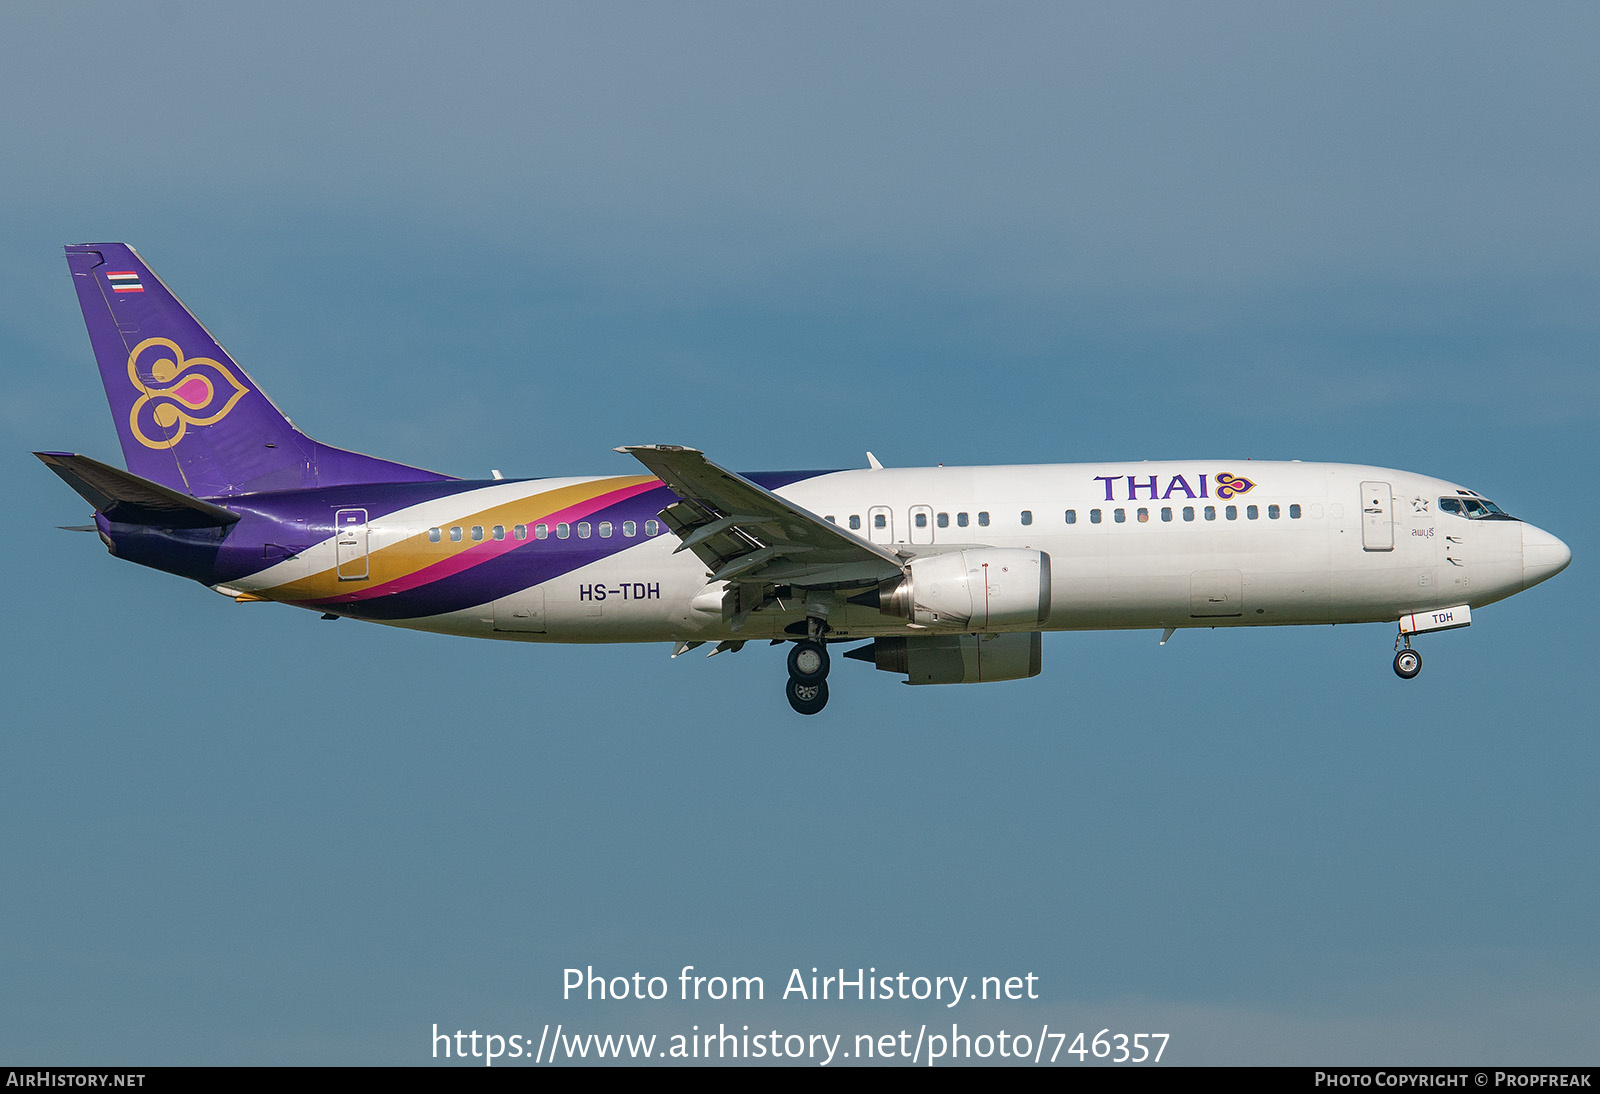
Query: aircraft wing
(748, 535)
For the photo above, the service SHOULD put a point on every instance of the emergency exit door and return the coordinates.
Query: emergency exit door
(880, 524)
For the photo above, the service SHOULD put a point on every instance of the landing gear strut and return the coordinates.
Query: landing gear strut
(1407, 661)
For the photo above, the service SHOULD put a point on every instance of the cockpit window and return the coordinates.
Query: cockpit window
(1474, 508)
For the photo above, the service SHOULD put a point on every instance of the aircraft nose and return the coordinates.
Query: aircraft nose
(1543, 556)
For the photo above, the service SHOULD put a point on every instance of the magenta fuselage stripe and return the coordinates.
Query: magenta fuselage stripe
(483, 552)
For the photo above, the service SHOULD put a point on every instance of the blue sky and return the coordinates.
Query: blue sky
(518, 236)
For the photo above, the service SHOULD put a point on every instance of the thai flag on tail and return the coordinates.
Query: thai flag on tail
(124, 281)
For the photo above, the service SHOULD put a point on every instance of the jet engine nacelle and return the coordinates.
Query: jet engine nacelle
(956, 658)
(974, 590)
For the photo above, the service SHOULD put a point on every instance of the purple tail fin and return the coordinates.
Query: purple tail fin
(187, 415)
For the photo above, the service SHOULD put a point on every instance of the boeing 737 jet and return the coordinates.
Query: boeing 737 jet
(944, 575)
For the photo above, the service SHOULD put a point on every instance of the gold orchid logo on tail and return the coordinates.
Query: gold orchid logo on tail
(178, 392)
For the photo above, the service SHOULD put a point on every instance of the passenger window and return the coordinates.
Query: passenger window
(630, 529)
(651, 527)
(499, 531)
(1072, 516)
(880, 520)
(1294, 512)
(583, 529)
(1252, 512)
(455, 534)
(1027, 517)
(855, 523)
(1094, 516)
(1231, 512)
(605, 529)
(1211, 512)
(1272, 512)
(1188, 512)
(942, 520)
(541, 531)
(829, 519)
(520, 531)
(563, 530)
(1166, 513)
(1144, 516)
(434, 535)
(1120, 516)
(983, 519)
(961, 520)
(921, 520)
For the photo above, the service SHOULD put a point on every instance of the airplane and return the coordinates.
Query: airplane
(944, 575)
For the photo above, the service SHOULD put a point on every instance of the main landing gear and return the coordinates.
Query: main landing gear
(807, 698)
(808, 676)
(808, 670)
(808, 662)
(1407, 661)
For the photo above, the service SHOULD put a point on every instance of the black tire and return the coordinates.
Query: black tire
(807, 698)
(808, 662)
(1407, 663)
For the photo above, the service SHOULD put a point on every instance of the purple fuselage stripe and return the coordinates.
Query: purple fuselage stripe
(536, 561)
(489, 550)
(530, 563)
(273, 526)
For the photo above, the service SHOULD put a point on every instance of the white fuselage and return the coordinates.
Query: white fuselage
(1170, 544)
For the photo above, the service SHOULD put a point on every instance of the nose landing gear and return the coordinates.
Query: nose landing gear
(1407, 661)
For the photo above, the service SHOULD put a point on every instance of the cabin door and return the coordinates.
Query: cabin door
(1377, 516)
(350, 544)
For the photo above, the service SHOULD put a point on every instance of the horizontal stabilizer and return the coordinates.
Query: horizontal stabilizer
(128, 499)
